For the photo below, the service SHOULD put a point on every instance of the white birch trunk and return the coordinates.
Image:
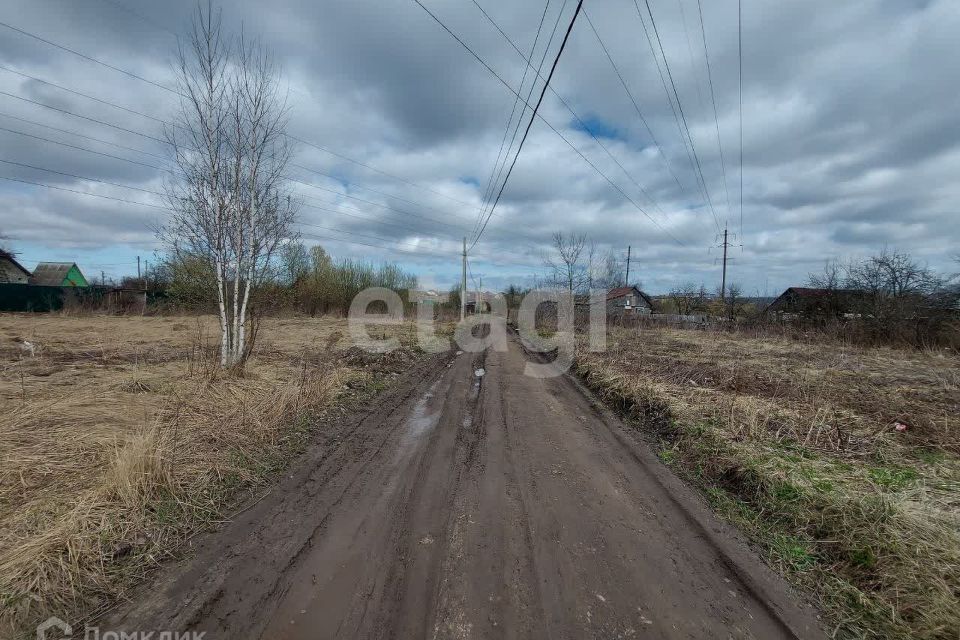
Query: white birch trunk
(242, 332)
(236, 319)
(224, 338)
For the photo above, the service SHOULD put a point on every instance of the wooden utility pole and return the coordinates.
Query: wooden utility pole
(479, 294)
(627, 280)
(138, 267)
(463, 282)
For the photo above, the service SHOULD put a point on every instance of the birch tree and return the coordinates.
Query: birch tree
(229, 197)
(565, 267)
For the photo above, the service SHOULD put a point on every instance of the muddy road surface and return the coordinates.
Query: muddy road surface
(466, 506)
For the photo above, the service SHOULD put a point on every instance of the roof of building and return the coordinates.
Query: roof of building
(810, 297)
(12, 259)
(808, 292)
(51, 273)
(619, 292)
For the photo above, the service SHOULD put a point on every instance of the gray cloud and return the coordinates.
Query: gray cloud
(851, 131)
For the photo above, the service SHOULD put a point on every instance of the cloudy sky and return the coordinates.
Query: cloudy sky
(851, 131)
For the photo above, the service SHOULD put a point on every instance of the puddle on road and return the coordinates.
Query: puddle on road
(420, 422)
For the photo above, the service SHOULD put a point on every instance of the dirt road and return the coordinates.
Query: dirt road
(475, 506)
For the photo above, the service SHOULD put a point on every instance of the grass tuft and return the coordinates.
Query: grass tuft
(114, 453)
(797, 445)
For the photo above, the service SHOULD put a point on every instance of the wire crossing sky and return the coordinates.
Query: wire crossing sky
(838, 140)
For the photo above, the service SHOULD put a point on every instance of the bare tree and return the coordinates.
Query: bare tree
(734, 300)
(684, 298)
(592, 272)
(610, 271)
(831, 278)
(566, 268)
(229, 196)
(892, 286)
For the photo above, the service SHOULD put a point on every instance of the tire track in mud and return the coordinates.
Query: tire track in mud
(498, 506)
(234, 577)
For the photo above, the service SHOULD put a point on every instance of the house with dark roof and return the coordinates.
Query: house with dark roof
(58, 274)
(11, 271)
(621, 300)
(807, 302)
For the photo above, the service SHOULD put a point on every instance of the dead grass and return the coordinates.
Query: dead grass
(119, 439)
(799, 445)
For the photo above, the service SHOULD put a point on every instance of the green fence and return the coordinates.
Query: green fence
(31, 297)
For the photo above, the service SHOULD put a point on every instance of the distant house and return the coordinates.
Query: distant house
(486, 301)
(12, 271)
(426, 295)
(807, 302)
(628, 300)
(58, 274)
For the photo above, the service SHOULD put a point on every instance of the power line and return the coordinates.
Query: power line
(693, 68)
(552, 128)
(374, 221)
(157, 193)
(376, 204)
(108, 124)
(355, 233)
(80, 135)
(372, 190)
(78, 177)
(72, 146)
(488, 190)
(673, 108)
(740, 79)
(533, 117)
(374, 169)
(145, 204)
(85, 193)
(417, 252)
(633, 100)
(159, 120)
(523, 109)
(81, 94)
(576, 116)
(77, 115)
(580, 120)
(314, 145)
(156, 139)
(86, 57)
(683, 117)
(713, 98)
(334, 211)
(177, 93)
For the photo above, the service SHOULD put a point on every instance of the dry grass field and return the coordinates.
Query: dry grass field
(119, 439)
(842, 464)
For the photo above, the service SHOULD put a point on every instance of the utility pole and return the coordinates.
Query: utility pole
(138, 267)
(479, 294)
(463, 282)
(627, 283)
(723, 280)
